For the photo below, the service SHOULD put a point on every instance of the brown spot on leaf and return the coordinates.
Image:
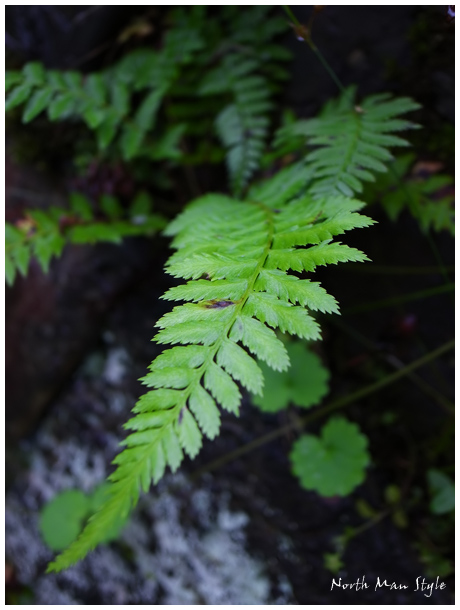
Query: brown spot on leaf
(215, 304)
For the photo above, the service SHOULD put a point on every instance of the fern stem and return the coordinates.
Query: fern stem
(340, 403)
(403, 298)
(443, 401)
(437, 256)
(291, 15)
(303, 33)
(326, 65)
(392, 270)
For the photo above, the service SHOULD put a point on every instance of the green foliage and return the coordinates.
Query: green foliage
(429, 198)
(304, 384)
(244, 249)
(333, 562)
(104, 101)
(244, 262)
(44, 233)
(243, 125)
(334, 463)
(351, 143)
(442, 490)
(62, 519)
(248, 75)
(241, 260)
(218, 59)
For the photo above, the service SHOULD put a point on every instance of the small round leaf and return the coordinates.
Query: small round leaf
(61, 520)
(334, 463)
(304, 384)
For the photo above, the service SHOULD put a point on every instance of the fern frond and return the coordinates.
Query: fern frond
(103, 100)
(121, 104)
(352, 142)
(44, 233)
(249, 77)
(243, 125)
(243, 134)
(228, 323)
(429, 199)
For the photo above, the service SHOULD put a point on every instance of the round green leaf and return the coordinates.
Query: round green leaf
(304, 384)
(334, 463)
(61, 520)
(442, 490)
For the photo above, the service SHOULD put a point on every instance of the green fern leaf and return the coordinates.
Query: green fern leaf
(290, 288)
(204, 408)
(307, 260)
(96, 89)
(44, 235)
(280, 314)
(12, 78)
(216, 337)
(240, 366)
(188, 433)
(203, 290)
(429, 199)
(222, 387)
(242, 126)
(349, 140)
(261, 341)
(102, 99)
(18, 96)
(61, 107)
(10, 270)
(36, 104)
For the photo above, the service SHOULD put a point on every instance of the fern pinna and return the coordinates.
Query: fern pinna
(241, 260)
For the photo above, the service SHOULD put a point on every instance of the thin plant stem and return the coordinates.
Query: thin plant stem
(442, 400)
(305, 36)
(438, 257)
(403, 298)
(326, 65)
(291, 15)
(339, 403)
(393, 270)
